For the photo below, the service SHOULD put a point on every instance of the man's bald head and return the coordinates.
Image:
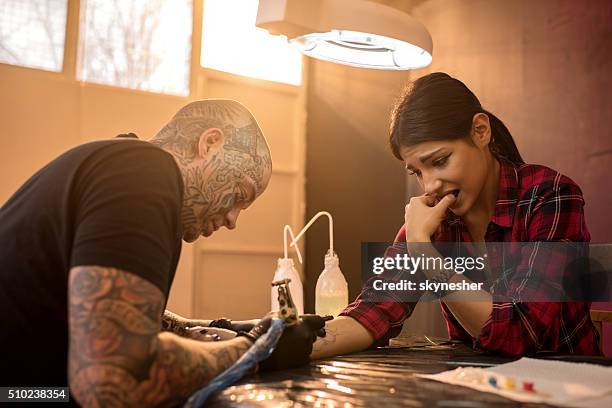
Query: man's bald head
(224, 159)
(243, 141)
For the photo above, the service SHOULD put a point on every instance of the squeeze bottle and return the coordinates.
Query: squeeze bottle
(331, 293)
(286, 269)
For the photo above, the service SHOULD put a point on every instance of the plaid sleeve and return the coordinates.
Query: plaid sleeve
(384, 319)
(553, 213)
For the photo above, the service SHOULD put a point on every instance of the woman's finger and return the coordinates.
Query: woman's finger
(417, 200)
(429, 200)
(445, 202)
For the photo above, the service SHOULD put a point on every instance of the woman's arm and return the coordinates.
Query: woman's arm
(343, 335)
(472, 310)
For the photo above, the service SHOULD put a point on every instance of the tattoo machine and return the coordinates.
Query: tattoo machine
(287, 315)
(287, 309)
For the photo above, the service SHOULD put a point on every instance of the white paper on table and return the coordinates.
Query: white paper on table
(555, 382)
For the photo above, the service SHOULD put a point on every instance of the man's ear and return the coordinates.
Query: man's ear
(481, 130)
(210, 142)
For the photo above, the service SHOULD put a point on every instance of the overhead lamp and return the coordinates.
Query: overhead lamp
(358, 33)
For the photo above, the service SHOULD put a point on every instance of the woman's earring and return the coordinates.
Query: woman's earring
(493, 146)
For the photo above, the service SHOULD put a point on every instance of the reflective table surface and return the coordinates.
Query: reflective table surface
(375, 378)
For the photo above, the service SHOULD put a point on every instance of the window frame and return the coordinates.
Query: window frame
(198, 75)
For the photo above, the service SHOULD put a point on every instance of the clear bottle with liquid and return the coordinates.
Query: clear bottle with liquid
(331, 294)
(286, 269)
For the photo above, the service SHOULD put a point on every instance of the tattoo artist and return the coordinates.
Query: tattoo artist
(88, 251)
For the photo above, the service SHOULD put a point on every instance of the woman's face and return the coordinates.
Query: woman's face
(457, 166)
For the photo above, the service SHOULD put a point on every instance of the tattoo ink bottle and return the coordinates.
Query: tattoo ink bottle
(286, 269)
(331, 293)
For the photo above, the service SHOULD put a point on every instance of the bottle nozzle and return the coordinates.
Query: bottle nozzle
(288, 230)
(312, 220)
(331, 259)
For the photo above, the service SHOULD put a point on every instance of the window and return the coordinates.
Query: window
(232, 43)
(137, 44)
(32, 33)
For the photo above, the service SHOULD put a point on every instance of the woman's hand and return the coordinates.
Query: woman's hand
(422, 218)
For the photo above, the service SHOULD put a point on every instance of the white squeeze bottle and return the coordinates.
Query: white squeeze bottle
(286, 269)
(331, 294)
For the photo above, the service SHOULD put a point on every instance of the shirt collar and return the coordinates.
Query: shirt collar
(505, 205)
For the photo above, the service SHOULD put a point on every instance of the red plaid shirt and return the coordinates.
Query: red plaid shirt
(534, 203)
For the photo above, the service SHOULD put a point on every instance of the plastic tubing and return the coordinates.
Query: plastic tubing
(289, 231)
(259, 351)
(312, 220)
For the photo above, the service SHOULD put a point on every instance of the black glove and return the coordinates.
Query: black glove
(257, 330)
(237, 326)
(295, 345)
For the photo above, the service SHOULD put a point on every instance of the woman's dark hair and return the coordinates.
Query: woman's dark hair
(439, 107)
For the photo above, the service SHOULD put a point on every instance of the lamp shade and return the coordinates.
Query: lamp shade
(351, 32)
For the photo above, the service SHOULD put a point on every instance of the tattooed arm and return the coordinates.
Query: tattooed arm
(343, 335)
(178, 324)
(117, 355)
(195, 329)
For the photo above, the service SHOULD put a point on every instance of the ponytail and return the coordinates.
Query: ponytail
(502, 144)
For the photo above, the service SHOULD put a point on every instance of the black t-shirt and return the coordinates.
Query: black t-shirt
(114, 203)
